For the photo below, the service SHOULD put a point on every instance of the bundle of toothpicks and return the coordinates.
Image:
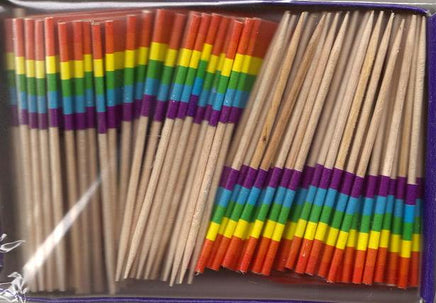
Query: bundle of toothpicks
(325, 177)
(153, 144)
(117, 117)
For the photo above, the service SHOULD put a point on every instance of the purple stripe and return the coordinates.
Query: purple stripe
(207, 113)
(249, 179)
(231, 179)
(118, 114)
(371, 186)
(69, 122)
(14, 115)
(420, 183)
(192, 108)
(43, 121)
(308, 172)
(214, 117)
(90, 117)
(286, 177)
(276, 174)
(199, 115)
(347, 183)
(260, 179)
(127, 110)
(235, 114)
(147, 103)
(336, 178)
(172, 109)
(137, 108)
(183, 109)
(224, 175)
(33, 120)
(159, 113)
(80, 120)
(384, 186)
(400, 192)
(356, 192)
(225, 114)
(242, 174)
(317, 175)
(24, 117)
(325, 178)
(392, 186)
(111, 117)
(412, 193)
(295, 180)
(53, 117)
(101, 122)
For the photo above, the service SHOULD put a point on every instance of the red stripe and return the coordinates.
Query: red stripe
(39, 39)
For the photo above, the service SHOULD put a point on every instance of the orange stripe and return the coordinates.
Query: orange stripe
(78, 40)
(39, 38)
(29, 36)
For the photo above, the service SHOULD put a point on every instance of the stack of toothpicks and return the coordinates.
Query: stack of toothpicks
(324, 174)
(121, 125)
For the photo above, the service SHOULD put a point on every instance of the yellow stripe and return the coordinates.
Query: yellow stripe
(158, 51)
(291, 231)
(40, 69)
(227, 67)
(255, 65)
(20, 66)
(342, 239)
(257, 229)
(119, 60)
(129, 59)
(78, 69)
(50, 64)
(278, 232)
(395, 243)
(211, 67)
(352, 237)
(195, 59)
(30, 68)
(223, 225)
(171, 57)
(185, 57)
(333, 235)
(110, 62)
(238, 63)
(65, 70)
(384, 238)
(301, 227)
(321, 231)
(374, 239)
(248, 231)
(310, 230)
(212, 231)
(230, 228)
(10, 61)
(207, 50)
(362, 244)
(142, 57)
(416, 242)
(406, 248)
(98, 68)
(221, 60)
(269, 229)
(241, 228)
(87, 63)
(246, 65)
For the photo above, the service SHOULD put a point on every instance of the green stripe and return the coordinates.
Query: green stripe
(365, 223)
(155, 69)
(52, 82)
(99, 86)
(407, 231)
(167, 75)
(66, 88)
(180, 74)
(129, 76)
(234, 80)
(219, 212)
(40, 87)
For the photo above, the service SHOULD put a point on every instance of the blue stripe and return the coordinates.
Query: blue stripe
(398, 209)
(111, 97)
(42, 105)
(289, 198)
(31, 99)
(409, 213)
(176, 91)
(380, 205)
(254, 195)
(331, 198)
(368, 205)
(80, 103)
(53, 102)
(128, 94)
(151, 86)
(320, 196)
(89, 94)
(186, 94)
